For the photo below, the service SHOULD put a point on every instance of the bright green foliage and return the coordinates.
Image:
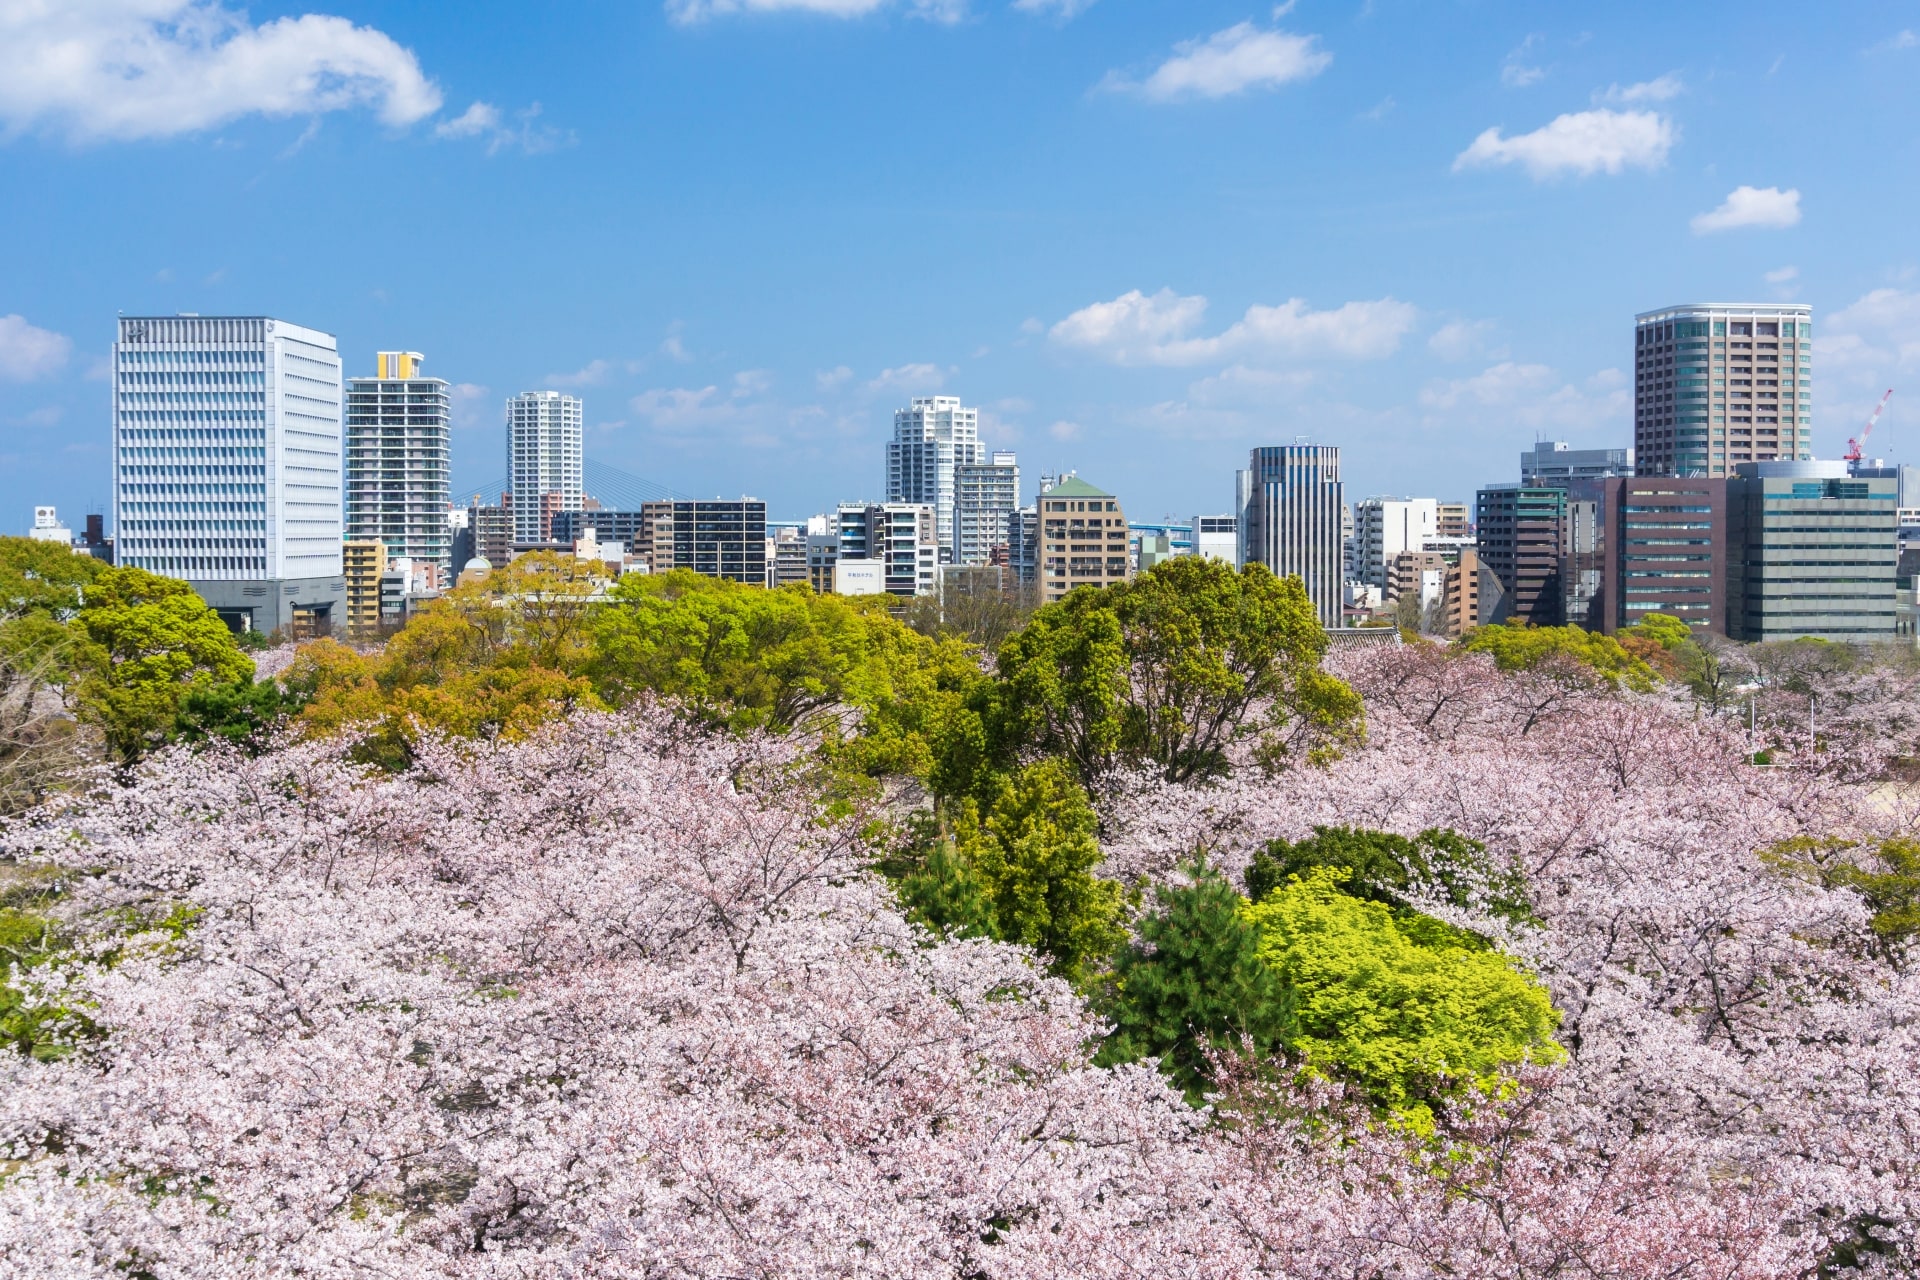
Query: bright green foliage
(1522, 648)
(1382, 867)
(1886, 876)
(1022, 874)
(144, 643)
(1169, 670)
(1193, 983)
(43, 577)
(747, 657)
(1411, 1021)
(1664, 629)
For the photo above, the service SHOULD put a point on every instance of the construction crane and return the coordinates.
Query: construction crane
(1854, 447)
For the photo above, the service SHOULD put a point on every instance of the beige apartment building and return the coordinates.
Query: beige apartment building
(1083, 539)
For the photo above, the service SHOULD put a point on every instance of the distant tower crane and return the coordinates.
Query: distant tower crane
(1854, 447)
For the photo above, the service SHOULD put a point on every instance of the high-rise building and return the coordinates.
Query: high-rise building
(1522, 532)
(399, 438)
(986, 494)
(1553, 463)
(718, 539)
(1721, 383)
(1665, 550)
(901, 537)
(545, 456)
(1023, 544)
(1455, 519)
(1814, 552)
(1083, 538)
(363, 562)
(1385, 527)
(932, 438)
(1292, 518)
(227, 467)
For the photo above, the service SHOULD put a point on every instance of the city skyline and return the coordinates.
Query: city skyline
(1170, 234)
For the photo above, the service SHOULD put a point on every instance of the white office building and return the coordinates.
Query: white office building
(933, 437)
(1383, 528)
(899, 536)
(227, 464)
(399, 437)
(1217, 537)
(545, 460)
(986, 494)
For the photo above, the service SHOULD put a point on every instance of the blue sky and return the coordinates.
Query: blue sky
(1142, 237)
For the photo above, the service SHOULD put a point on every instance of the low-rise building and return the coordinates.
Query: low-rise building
(1083, 538)
(901, 536)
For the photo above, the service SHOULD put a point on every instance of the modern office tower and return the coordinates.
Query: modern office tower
(399, 442)
(717, 539)
(362, 564)
(1291, 517)
(932, 438)
(227, 464)
(1721, 383)
(545, 456)
(1383, 528)
(1083, 538)
(901, 537)
(1814, 552)
(1217, 537)
(1665, 550)
(1455, 519)
(1521, 532)
(1554, 463)
(985, 494)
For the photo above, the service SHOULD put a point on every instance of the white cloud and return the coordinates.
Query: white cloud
(688, 12)
(910, 378)
(1904, 39)
(1137, 329)
(592, 375)
(1535, 397)
(673, 348)
(1061, 9)
(829, 379)
(524, 131)
(1660, 89)
(1064, 430)
(1872, 337)
(1782, 275)
(1516, 72)
(1227, 62)
(1461, 339)
(126, 69)
(1582, 142)
(1767, 207)
(467, 399)
(27, 353)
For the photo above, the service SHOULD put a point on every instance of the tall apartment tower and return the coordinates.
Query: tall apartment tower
(227, 464)
(1717, 384)
(933, 437)
(1292, 515)
(399, 438)
(985, 496)
(545, 460)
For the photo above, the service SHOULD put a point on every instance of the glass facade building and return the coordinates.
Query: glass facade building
(1816, 552)
(1293, 519)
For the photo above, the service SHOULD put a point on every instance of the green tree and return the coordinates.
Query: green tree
(1192, 984)
(144, 643)
(1382, 867)
(1171, 669)
(1524, 648)
(745, 656)
(1022, 873)
(1412, 1021)
(243, 712)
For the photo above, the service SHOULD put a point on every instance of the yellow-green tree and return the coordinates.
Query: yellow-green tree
(1515, 647)
(1410, 1021)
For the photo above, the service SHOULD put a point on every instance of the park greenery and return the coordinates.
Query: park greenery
(1286, 883)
